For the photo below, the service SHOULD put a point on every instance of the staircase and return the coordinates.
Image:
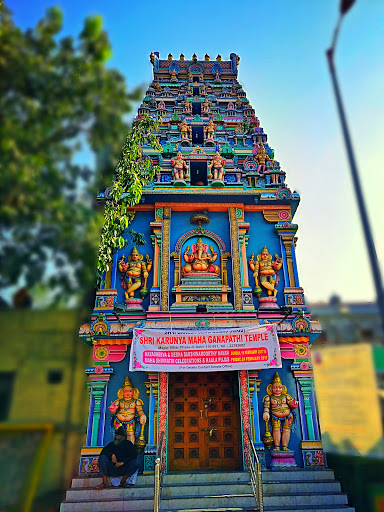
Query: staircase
(288, 491)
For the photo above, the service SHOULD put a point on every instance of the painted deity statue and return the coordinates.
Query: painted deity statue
(135, 270)
(178, 163)
(217, 164)
(200, 260)
(185, 130)
(278, 406)
(262, 155)
(265, 271)
(206, 106)
(124, 409)
(187, 107)
(210, 129)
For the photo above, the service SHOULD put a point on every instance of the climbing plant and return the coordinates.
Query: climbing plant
(134, 170)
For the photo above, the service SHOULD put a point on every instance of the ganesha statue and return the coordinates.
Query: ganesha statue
(200, 260)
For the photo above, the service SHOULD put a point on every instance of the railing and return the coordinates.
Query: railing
(255, 472)
(158, 475)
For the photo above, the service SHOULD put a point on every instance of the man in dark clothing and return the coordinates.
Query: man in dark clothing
(118, 458)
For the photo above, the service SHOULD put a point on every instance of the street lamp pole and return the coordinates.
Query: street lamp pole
(355, 175)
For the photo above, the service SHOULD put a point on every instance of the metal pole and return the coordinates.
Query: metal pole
(356, 182)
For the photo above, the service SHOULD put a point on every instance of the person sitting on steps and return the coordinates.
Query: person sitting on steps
(118, 458)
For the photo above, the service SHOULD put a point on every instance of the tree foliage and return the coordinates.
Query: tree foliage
(59, 105)
(132, 173)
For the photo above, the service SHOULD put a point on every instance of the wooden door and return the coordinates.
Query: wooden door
(204, 421)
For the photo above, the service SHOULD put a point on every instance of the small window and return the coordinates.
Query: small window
(7, 380)
(54, 376)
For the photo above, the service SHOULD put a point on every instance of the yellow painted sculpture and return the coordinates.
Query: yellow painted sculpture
(210, 129)
(185, 130)
(124, 409)
(135, 270)
(278, 407)
(206, 106)
(187, 107)
(200, 260)
(264, 271)
(179, 164)
(217, 164)
(262, 155)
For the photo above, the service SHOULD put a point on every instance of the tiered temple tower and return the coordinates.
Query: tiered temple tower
(203, 335)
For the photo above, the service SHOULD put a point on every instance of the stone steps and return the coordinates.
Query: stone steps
(288, 491)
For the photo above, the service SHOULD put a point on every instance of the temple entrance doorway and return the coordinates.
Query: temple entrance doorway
(204, 421)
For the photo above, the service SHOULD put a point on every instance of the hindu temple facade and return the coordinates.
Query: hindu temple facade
(201, 336)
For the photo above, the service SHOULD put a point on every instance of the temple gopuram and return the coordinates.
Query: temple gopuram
(201, 337)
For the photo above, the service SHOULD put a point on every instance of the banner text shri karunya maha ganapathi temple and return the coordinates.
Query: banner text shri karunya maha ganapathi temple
(202, 335)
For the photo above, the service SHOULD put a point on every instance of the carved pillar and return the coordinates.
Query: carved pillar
(306, 392)
(154, 295)
(254, 385)
(150, 452)
(245, 416)
(236, 267)
(287, 241)
(97, 391)
(152, 391)
(246, 290)
(311, 445)
(163, 408)
(254, 390)
(165, 260)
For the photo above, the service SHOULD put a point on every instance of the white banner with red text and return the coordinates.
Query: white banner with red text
(205, 350)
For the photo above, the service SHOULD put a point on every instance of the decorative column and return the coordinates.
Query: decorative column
(254, 389)
(164, 295)
(311, 445)
(236, 267)
(245, 416)
(293, 294)
(246, 290)
(150, 451)
(163, 406)
(154, 294)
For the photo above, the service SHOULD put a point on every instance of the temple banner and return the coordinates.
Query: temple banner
(208, 350)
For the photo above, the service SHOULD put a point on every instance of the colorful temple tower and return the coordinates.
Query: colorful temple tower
(202, 336)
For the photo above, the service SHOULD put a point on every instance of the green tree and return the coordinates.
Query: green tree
(58, 100)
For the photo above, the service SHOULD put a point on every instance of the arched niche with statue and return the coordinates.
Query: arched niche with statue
(200, 273)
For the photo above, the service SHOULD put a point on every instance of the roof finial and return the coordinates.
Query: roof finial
(182, 56)
(218, 57)
(194, 56)
(207, 57)
(170, 57)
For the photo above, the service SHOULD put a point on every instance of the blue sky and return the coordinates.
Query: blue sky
(284, 72)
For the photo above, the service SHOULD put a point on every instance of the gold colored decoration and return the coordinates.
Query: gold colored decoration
(218, 58)
(206, 57)
(140, 441)
(165, 259)
(170, 56)
(101, 353)
(273, 215)
(235, 258)
(182, 56)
